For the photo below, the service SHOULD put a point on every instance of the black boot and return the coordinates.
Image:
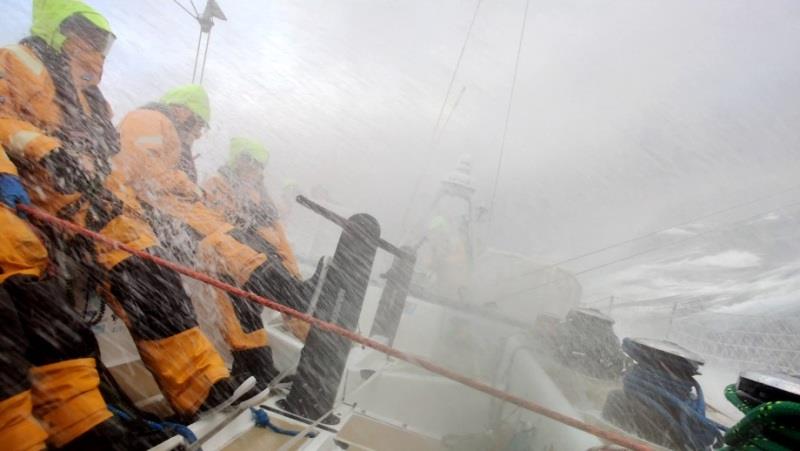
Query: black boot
(256, 362)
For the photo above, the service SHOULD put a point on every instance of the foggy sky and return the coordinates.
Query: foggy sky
(628, 116)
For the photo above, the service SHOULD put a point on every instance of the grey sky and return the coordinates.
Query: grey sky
(628, 116)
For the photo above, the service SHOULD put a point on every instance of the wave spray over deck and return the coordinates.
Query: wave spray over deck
(452, 226)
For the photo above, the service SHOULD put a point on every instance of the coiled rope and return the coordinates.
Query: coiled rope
(611, 436)
(164, 426)
(678, 401)
(771, 426)
(262, 420)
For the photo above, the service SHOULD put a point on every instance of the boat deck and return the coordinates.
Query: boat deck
(360, 433)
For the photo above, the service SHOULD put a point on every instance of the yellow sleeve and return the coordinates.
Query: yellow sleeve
(23, 141)
(26, 98)
(177, 183)
(6, 166)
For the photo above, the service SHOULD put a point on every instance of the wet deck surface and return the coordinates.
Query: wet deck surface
(360, 433)
(380, 436)
(264, 439)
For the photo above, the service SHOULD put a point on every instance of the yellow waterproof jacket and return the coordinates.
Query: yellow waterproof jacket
(149, 159)
(221, 195)
(64, 394)
(6, 166)
(22, 252)
(31, 116)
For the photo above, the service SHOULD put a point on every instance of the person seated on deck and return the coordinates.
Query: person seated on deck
(157, 164)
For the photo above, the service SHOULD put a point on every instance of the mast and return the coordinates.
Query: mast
(206, 20)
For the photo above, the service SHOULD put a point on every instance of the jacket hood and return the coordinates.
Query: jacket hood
(48, 15)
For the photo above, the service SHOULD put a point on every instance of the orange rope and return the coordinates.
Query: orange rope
(610, 436)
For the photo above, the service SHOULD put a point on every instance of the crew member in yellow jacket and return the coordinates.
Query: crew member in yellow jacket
(157, 164)
(238, 192)
(47, 368)
(47, 365)
(56, 126)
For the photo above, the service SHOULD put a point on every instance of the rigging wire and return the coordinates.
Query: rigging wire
(652, 234)
(432, 143)
(196, 12)
(194, 16)
(206, 22)
(505, 296)
(456, 68)
(197, 55)
(508, 113)
(442, 129)
(205, 57)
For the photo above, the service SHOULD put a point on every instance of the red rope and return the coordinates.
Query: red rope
(611, 436)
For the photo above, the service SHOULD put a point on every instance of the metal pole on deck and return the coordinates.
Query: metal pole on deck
(393, 298)
(323, 358)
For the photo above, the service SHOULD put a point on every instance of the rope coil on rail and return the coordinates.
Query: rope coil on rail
(768, 426)
(604, 434)
(677, 400)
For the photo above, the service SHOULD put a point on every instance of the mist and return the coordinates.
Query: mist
(628, 116)
(636, 157)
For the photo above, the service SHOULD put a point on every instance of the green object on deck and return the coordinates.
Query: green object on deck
(771, 426)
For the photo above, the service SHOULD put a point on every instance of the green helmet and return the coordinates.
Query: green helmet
(249, 147)
(49, 15)
(192, 97)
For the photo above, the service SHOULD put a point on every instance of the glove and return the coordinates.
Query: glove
(70, 176)
(12, 192)
(272, 280)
